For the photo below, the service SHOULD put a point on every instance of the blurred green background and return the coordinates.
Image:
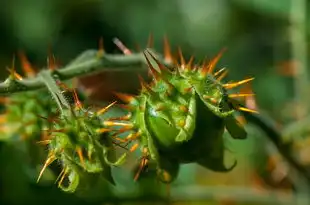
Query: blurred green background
(263, 38)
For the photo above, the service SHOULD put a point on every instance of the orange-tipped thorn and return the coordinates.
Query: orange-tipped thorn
(119, 139)
(233, 85)
(77, 102)
(26, 66)
(14, 74)
(48, 161)
(80, 153)
(210, 67)
(247, 110)
(182, 60)
(222, 75)
(134, 147)
(219, 72)
(125, 117)
(241, 95)
(132, 136)
(143, 163)
(125, 97)
(51, 61)
(215, 60)
(189, 63)
(125, 125)
(60, 175)
(103, 130)
(167, 50)
(105, 109)
(64, 173)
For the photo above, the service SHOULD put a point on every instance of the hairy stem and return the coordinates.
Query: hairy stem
(85, 64)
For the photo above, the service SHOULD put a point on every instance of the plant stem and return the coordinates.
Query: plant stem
(85, 64)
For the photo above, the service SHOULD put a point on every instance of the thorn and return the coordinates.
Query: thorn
(241, 95)
(111, 123)
(63, 176)
(143, 163)
(154, 72)
(134, 147)
(51, 61)
(12, 70)
(125, 117)
(80, 153)
(190, 63)
(144, 86)
(26, 66)
(133, 136)
(219, 72)
(127, 107)
(101, 48)
(61, 173)
(124, 129)
(181, 58)
(119, 139)
(150, 42)
(215, 60)
(204, 68)
(121, 46)
(77, 102)
(103, 110)
(48, 161)
(167, 50)
(125, 97)
(247, 110)
(103, 130)
(14, 74)
(233, 85)
(222, 75)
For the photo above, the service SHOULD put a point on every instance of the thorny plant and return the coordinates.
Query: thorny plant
(178, 118)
